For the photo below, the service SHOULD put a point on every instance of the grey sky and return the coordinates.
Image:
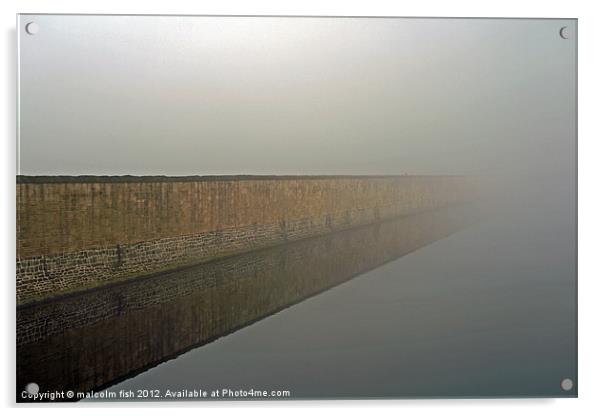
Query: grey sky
(214, 95)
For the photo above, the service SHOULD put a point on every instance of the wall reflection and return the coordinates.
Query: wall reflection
(95, 339)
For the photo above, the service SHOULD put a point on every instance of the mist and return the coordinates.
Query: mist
(486, 308)
(168, 95)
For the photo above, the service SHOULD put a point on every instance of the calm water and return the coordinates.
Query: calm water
(437, 304)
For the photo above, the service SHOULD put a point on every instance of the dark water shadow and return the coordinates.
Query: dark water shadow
(97, 339)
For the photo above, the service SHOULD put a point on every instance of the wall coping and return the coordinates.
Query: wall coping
(26, 179)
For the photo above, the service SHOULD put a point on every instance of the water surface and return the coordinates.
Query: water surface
(441, 304)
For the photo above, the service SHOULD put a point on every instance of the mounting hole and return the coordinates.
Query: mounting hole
(566, 384)
(32, 28)
(32, 388)
(564, 32)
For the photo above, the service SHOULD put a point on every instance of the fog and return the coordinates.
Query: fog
(170, 95)
(488, 311)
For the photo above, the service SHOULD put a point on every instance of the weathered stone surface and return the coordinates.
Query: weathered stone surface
(73, 235)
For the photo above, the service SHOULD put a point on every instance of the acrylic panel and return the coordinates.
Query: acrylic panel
(281, 208)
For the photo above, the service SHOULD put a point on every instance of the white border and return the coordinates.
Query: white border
(590, 136)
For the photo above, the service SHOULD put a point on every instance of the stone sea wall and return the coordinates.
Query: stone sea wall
(95, 338)
(75, 233)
